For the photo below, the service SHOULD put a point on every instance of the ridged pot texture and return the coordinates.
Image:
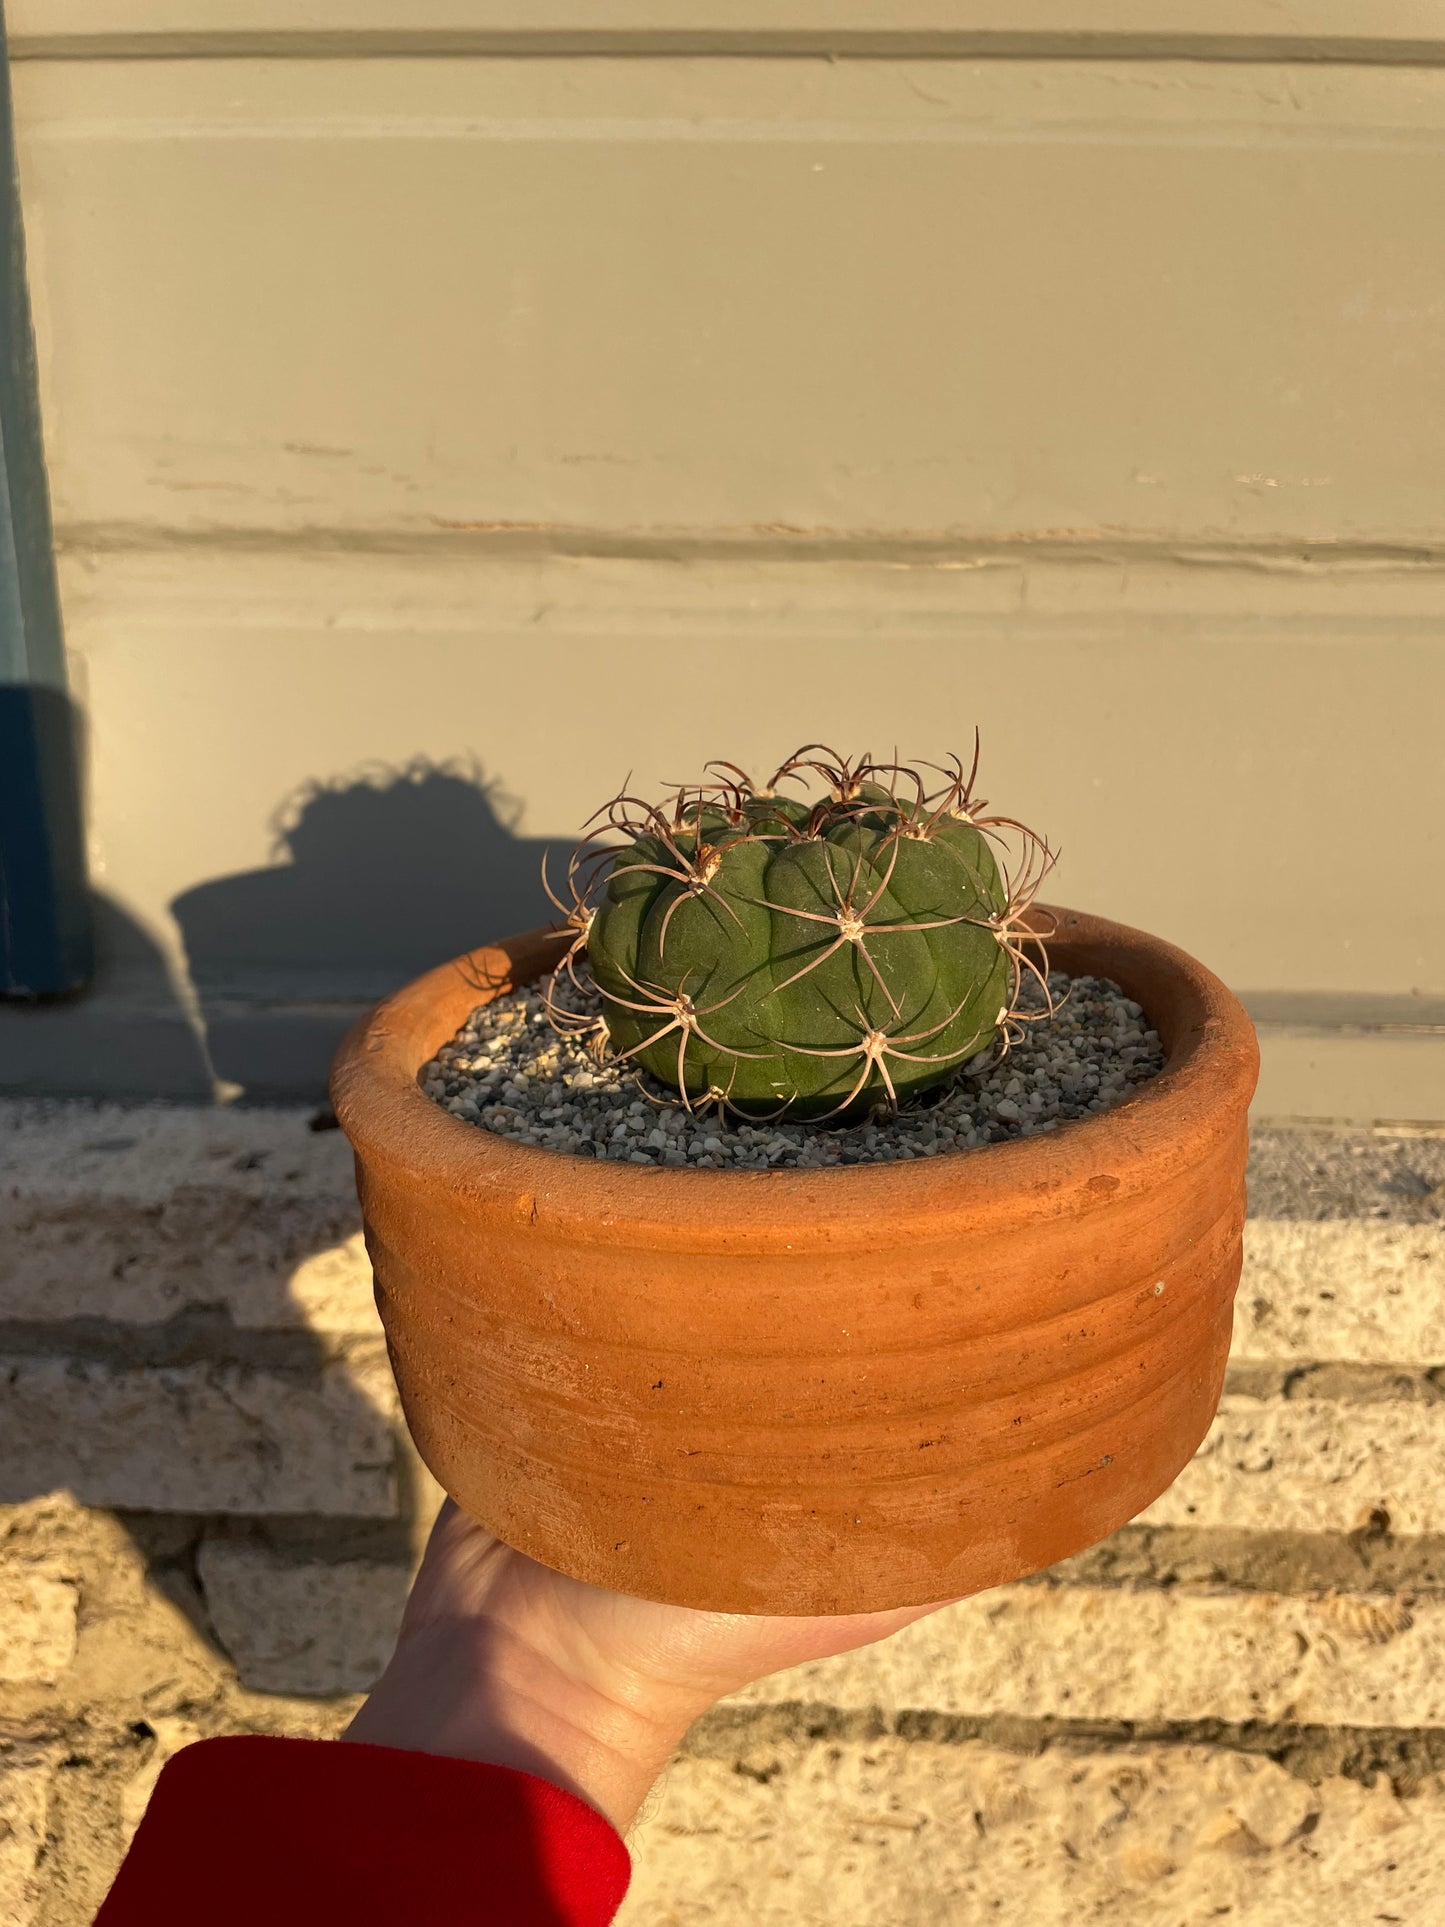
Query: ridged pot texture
(822, 1391)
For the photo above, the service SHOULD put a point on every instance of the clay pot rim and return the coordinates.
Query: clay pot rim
(1202, 1093)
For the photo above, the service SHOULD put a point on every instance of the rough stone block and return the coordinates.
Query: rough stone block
(26, 1774)
(307, 1628)
(888, 1832)
(202, 1438)
(145, 1153)
(137, 1652)
(283, 1264)
(38, 1607)
(330, 1291)
(1313, 1465)
(1112, 1653)
(134, 1214)
(1358, 1289)
(1380, 1175)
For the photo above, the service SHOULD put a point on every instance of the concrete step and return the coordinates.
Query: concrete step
(1344, 1288)
(1319, 1464)
(206, 1437)
(781, 1833)
(187, 1324)
(132, 1215)
(1067, 1651)
(1082, 1652)
(1153, 1733)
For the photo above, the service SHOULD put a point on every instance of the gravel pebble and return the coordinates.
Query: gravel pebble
(509, 1071)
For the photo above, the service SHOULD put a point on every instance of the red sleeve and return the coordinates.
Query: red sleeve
(257, 1832)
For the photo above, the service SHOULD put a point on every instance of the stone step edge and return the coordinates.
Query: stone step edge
(1368, 1562)
(209, 1335)
(1408, 1756)
(204, 1335)
(108, 1432)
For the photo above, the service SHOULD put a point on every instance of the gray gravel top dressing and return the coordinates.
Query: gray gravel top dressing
(509, 1071)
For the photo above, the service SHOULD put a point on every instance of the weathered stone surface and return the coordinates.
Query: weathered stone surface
(133, 1214)
(138, 1651)
(1373, 1561)
(1313, 1465)
(170, 1736)
(26, 1775)
(1368, 1290)
(1154, 1836)
(38, 1605)
(203, 1438)
(138, 1265)
(147, 1153)
(331, 1291)
(891, 1833)
(146, 1678)
(183, 1246)
(1374, 1174)
(1113, 1653)
(308, 1628)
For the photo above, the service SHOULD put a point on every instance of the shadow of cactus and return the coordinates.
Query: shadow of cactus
(383, 873)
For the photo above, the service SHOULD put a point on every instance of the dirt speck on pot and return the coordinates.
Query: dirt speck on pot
(509, 1071)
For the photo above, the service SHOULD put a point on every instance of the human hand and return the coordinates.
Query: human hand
(501, 1659)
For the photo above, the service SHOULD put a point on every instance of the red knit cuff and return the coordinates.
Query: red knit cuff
(258, 1832)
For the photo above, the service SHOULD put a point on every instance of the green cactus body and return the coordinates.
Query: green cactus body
(806, 960)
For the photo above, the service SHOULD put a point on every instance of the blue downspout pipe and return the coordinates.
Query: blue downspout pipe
(45, 922)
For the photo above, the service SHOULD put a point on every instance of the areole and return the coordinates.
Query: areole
(818, 1391)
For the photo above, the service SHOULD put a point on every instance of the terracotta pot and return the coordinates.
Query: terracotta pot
(810, 1391)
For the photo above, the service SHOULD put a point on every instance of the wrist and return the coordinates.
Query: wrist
(478, 1690)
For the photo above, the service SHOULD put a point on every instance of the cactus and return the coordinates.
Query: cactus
(816, 959)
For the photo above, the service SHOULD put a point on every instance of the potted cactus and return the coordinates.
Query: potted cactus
(806, 957)
(834, 1386)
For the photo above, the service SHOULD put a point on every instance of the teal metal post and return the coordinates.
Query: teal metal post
(45, 925)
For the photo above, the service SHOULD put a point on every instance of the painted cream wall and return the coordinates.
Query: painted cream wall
(573, 411)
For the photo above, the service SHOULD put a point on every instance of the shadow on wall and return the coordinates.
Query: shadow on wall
(128, 1035)
(386, 872)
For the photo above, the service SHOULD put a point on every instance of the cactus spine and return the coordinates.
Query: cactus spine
(818, 958)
